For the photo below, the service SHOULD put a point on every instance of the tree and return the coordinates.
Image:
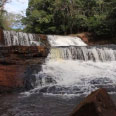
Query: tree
(12, 21)
(2, 3)
(71, 16)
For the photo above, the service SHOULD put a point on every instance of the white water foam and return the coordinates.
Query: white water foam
(76, 77)
(56, 40)
(72, 70)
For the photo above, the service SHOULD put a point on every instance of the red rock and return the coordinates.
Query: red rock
(89, 39)
(84, 37)
(15, 59)
(11, 76)
(98, 103)
(31, 51)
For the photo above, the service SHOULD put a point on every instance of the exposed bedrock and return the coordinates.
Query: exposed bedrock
(18, 63)
(16, 78)
(90, 39)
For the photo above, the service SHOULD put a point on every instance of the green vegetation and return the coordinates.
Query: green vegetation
(2, 2)
(9, 21)
(65, 17)
(71, 16)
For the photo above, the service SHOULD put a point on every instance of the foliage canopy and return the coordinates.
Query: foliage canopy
(71, 16)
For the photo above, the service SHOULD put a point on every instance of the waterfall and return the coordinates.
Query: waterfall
(13, 38)
(73, 68)
(73, 48)
(56, 40)
(83, 53)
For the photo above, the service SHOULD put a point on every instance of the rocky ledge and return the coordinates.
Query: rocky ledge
(89, 39)
(18, 64)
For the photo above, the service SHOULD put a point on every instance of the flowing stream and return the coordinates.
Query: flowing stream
(73, 68)
(71, 71)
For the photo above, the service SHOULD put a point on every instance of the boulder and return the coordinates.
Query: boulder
(98, 103)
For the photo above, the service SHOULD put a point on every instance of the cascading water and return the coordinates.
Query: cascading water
(83, 53)
(71, 68)
(13, 38)
(76, 68)
(56, 40)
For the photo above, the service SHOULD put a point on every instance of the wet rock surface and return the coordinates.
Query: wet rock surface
(18, 63)
(98, 103)
(17, 78)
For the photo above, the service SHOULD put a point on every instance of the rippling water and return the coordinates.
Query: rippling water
(39, 105)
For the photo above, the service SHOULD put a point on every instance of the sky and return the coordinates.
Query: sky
(17, 6)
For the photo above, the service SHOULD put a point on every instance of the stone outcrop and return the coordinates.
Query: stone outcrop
(19, 63)
(14, 64)
(98, 103)
(11, 77)
(85, 37)
(89, 39)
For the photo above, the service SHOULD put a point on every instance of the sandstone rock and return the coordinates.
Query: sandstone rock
(98, 103)
(15, 78)
(84, 37)
(16, 63)
(11, 77)
(89, 39)
(24, 50)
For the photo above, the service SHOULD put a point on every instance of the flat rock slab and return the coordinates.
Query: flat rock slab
(98, 103)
